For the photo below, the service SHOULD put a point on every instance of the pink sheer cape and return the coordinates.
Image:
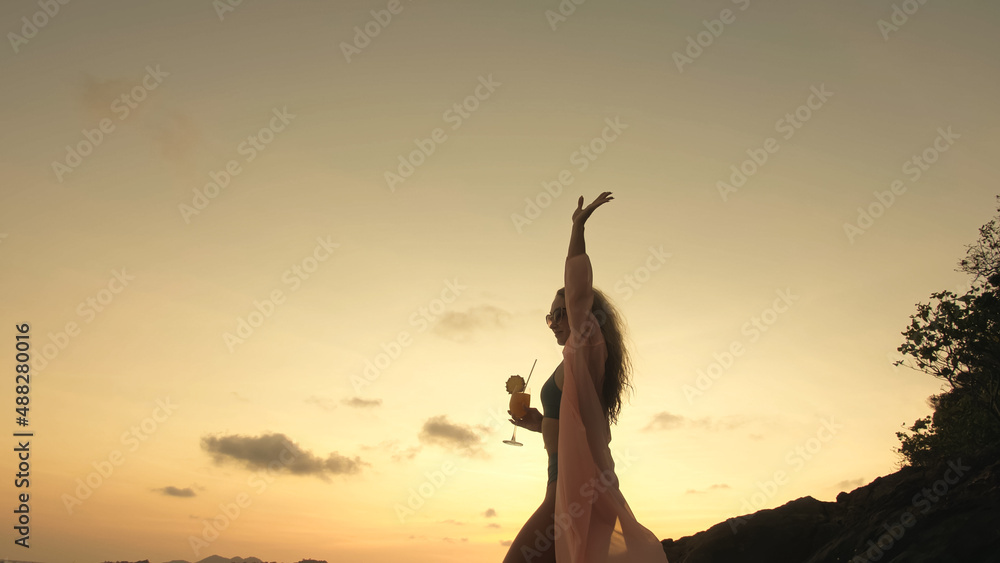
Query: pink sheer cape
(593, 523)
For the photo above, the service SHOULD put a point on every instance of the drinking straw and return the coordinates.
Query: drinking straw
(529, 373)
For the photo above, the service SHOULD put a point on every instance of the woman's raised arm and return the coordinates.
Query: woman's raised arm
(580, 216)
(579, 278)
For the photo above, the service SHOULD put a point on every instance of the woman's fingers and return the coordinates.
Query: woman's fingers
(602, 199)
(582, 213)
(514, 421)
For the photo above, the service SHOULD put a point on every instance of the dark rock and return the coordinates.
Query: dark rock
(949, 512)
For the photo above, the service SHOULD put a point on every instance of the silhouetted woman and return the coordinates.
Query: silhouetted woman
(584, 517)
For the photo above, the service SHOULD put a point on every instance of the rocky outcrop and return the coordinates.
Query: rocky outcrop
(949, 512)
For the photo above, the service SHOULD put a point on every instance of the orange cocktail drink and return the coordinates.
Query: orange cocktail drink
(519, 403)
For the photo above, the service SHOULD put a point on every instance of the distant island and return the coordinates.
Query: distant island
(220, 559)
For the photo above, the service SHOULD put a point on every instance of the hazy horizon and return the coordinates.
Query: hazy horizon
(328, 233)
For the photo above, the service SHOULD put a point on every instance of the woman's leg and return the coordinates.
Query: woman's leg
(534, 544)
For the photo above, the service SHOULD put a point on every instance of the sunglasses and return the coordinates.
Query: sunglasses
(555, 316)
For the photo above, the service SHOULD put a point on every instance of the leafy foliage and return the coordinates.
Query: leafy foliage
(957, 338)
(958, 427)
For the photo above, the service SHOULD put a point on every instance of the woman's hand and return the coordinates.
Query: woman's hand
(532, 421)
(581, 214)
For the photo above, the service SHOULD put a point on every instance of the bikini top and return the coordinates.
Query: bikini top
(551, 395)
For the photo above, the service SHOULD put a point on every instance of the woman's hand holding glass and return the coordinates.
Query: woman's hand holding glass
(532, 420)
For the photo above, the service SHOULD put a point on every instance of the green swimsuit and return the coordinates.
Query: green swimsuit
(551, 395)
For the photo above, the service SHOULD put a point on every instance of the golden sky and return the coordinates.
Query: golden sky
(330, 231)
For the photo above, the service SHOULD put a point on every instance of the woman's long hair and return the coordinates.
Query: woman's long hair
(618, 366)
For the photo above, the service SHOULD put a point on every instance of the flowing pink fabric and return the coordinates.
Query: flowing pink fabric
(593, 522)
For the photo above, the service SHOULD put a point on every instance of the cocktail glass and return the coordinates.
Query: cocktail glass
(519, 403)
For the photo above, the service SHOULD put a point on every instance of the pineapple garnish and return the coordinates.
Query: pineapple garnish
(515, 384)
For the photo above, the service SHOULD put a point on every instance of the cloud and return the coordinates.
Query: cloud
(276, 452)
(321, 402)
(453, 521)
(95, 96)
(360, 403)
(461, 325)
(850, 484)
(239, 397)
(171, 491)
(490, 513)
(177, 136)
(506, 543)
(723, 423)
(493, 525)
(716, 487)
(665, 421)
(669, 421)
(396, 452)
(438, 431)
(406, 453)
(453, 540)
